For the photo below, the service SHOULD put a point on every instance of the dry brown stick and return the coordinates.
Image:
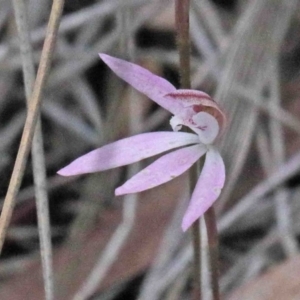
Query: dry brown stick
(32, 117)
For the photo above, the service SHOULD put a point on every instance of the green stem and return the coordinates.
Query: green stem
(183, 43)
(212, 235)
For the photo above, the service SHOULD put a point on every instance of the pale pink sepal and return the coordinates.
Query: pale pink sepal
(127, 151)
(163, 170)
(144, 81)
(208, 188)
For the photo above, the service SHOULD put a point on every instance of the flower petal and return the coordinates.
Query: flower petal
(202, 123)
(198, 101)
(206, 126)
(127, 151)
(176, 123)
(144, 81)
(163, 170)
(208, 188)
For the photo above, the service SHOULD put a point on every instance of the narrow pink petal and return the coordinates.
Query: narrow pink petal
(127, 151)
(144, 81)
(208, 188)
(163, 170)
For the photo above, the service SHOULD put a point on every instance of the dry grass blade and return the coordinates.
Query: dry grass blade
(39, 168)
(247, 65)
(283, 209)
(31, 119)
(287, 170)
(274, 111)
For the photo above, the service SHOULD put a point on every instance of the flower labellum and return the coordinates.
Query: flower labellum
(190, 108)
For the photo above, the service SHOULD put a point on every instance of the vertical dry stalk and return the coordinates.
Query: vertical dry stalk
(183, 45)
(38, 159)
(183, 41)
(32, 118)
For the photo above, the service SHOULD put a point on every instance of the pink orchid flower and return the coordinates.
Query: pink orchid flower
(191, 108)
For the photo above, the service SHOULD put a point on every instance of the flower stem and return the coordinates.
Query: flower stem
(196, 295)
(212, 235)
(183, 43)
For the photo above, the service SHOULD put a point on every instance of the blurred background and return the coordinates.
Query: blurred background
(246, 54)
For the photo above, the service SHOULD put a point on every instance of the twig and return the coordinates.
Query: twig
(31, 119)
